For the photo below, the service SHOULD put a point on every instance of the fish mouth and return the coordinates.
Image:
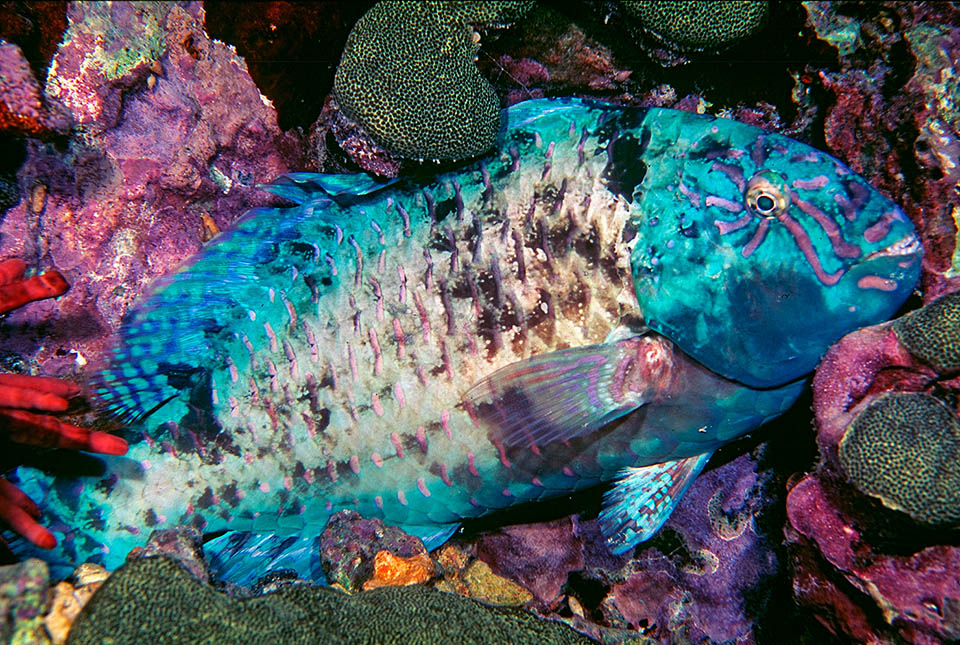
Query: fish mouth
(906, 246)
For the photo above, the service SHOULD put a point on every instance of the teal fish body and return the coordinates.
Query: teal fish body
(613, 293)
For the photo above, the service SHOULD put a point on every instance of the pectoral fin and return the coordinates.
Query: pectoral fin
(643, 499)
(300, 187)
(569, 393)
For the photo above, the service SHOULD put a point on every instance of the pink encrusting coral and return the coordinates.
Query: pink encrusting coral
(22, 109)
(175, 137)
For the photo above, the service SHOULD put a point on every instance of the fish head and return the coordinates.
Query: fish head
(755, 252)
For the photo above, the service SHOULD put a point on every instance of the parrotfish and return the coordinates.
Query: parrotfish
(609, 296)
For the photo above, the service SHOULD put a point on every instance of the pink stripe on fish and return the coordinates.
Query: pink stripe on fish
(355, 464)
(471, 464)
(249, 346)
(231, 366)
(358, 271)
(308, 475)
(378, 500)
(811, 184)
(398, 336)
(397, 445)
(288, 350)
(271, 294)
(757, 238)
(406, 219)
(332, 263)
(402, 497)
(724, 203)
(806, 247)
(422, 439)
(271, 335)
(234, 411)
(725, 226)
(375, 404)
(377, 356)
(379, 231)
(733, 172)
(290, 310)
(378, 294)
(252, 315)
(502, 452)
(422, 487)
(692, 195)
(399, 396)
(403, 284)
(353, 363)
(272, 371)
(382, 261)
(377, 460)
(311, 425)
(312, 342)
(445, 423)
(841, 247)
(536, 482)
(878, 231)
(444, 477)
(876, 282)
(422, 313)
(506, 492)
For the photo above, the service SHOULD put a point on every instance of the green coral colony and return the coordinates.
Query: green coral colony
(904, 449)
(408, 76)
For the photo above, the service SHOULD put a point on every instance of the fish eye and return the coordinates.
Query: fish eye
(766, 194)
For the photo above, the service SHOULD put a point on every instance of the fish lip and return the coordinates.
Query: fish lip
(908, 245)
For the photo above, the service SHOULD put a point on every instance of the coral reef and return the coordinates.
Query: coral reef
(408, 77)
(23, 601)
(172, 138)
(904, 449)
(931, 332)
(136, 603)
(69, 598)
(173, 135)
(688, 25)
(22, 108)
(869, 528)
(393, 571)
(888, 431)
(351, 545)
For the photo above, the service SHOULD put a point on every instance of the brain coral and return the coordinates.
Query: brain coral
(905, 450)
(154, 600)
(694, 25)
(932, 333)
(408, 76)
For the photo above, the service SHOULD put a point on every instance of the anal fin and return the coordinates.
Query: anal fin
(643, 499)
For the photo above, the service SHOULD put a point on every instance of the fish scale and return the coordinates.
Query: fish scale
(426, 352)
